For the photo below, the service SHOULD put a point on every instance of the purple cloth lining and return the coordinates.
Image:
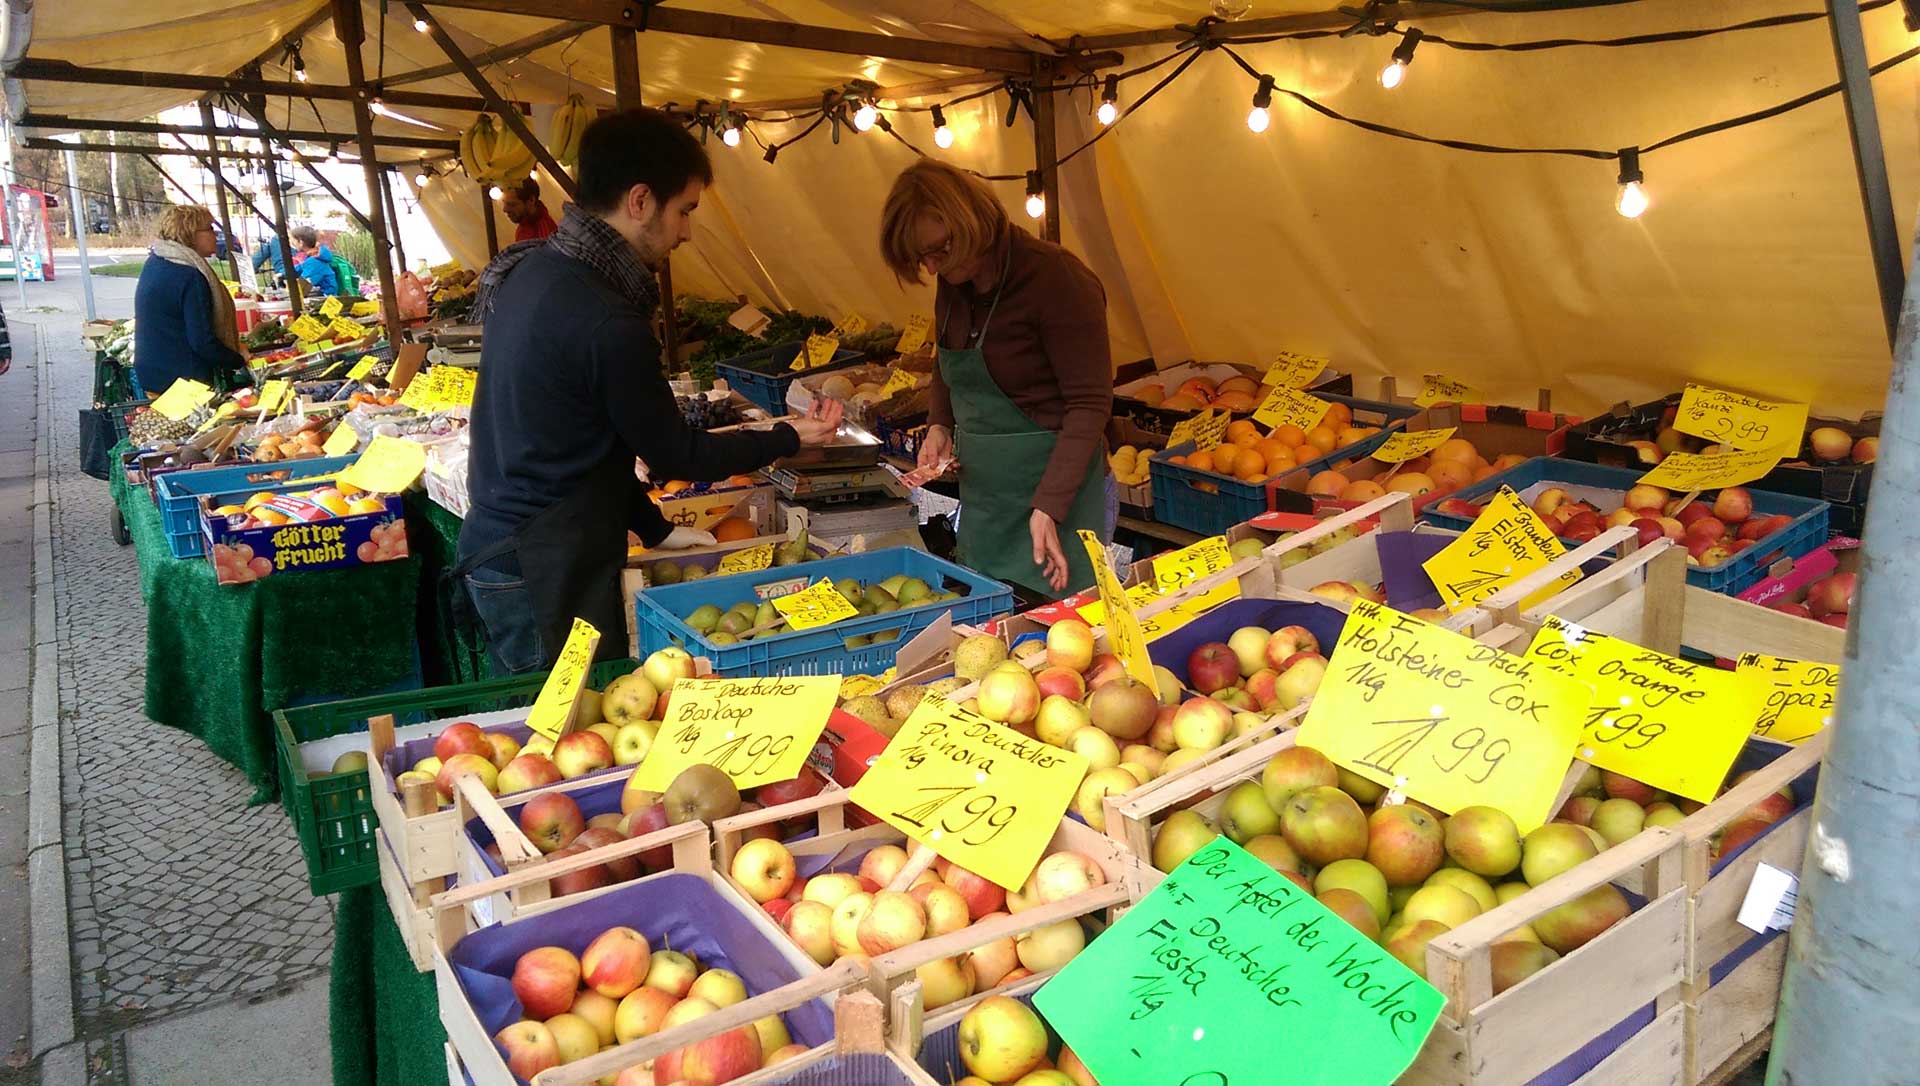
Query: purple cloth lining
(1171, 651)
(405, 756)
(1402, 556)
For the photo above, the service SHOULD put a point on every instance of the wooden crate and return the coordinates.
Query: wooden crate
(410, 904)
(909, 1024)
(692, 850)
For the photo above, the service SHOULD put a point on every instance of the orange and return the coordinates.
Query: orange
(1361, 490)
(347, 488)
(1350, 435)
(1449, 474)
(1268, 446)
(1338, 415)
(1289, 434)
(1201, 460)
(739, 480)
(1327, 484)
(676, 486)
(1252, 469)
(1226, 458)
(1239, 431)
(1280, 461)
(733, 529)
(1323, 439)
(1458, 448)
(1411, 482)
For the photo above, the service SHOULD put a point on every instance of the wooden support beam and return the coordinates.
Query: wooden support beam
(56, 123)
(393, 218)
(499, 105)
(510, 51)
(636, 15)
(1402, 11)
(168, 178)
(1046, 149)
(259, 102)
(267, 128)
(37, 143)
(205, 161)
(271, 55)
(61, 71)
(626, 67)
(212, 162)
(493, 229)
(347, 27)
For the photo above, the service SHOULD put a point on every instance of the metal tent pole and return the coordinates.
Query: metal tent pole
(1850, 1009)
(1869, 158)
(79, 231)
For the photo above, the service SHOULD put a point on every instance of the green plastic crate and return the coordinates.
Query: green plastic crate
(333, 812)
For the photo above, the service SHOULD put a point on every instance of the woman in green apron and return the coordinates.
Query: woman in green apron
(1024, 386)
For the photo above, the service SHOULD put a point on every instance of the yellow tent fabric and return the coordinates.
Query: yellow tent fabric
(1393, 258)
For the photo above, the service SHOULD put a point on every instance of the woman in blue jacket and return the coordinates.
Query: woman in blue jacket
(183, 316)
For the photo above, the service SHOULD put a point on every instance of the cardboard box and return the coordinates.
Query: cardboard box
(704, 505)
(244, 555)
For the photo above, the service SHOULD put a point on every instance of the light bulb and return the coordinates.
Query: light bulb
(1633, 200)
(1108, 113)
(300, 73)
(1392, 74)
(1257, 118)
(865, 116)
(333, 156)
(377, 107)
(1036, 206)
(730, 137)
(943, 137)
(420, 180)
(420, 25)
(494, 193)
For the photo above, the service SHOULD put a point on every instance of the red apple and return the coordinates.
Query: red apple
(808, 783)
(545, 980)
(1706, 528)
(579, 753)
(1838, 619)
(622, 869)
(651, 819)
(1866, 450)
(1799, 610)
(1105, 668)
(575, 882)
(1831, 595)
(1691, 513)
(551, 821)
(1649, 530)
(1733, 504)
(1212, 666)
(1060, 680)
(1759, 528)
(712, 1061)
(527, 771)
(1580, 527)
(462, 738)
(982, 895)
(778, 908)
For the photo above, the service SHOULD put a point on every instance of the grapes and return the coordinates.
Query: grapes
(702, 413)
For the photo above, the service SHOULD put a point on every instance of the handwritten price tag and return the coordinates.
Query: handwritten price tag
(389, 466)
(818, 352)
(453, 386)
(915, 337)
(747, 560)
(1439, 388)
(1800, 695)
(1739, 420)
(308, 346)
(362, 368)
(1124, 635)
(553, 709)
(1206, 430)
(273, 396)
(1674, 724)
(331, 307)
(441, 271)
(305, 327)
(182, 398)
(1445, 719)
(342, 441)
(1225, 951)
(1177, 569)
(1287, 406)
(1708, 471)
(1505, 543)
(855, 686)
(902, 380)
(850, 325)
(756, 731)
(419, 394)
(365, 309)
(1400, 448)
(1293, 370)
(979, 794)
(815, 606)
(347, 331)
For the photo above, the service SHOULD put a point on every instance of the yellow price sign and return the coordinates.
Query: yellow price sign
(274, 395)
(365, 309)
(915, 337)
(851, 325)
(746, 560)
(1400, 448)
(308, 346)
(1293, 370)
(418, 395)
(221, 412)
(1671, 723)
(441, 271)
(1740, 421)
(819, 351)
(1444, 719)
(342, 441)
(453, 386)
(1290, 406)
(1124, 635)
(553, 710)
(388, 466)
(1505, 543)
(348, 331)
(980, 794)
(306, 328)
(819, 604)
(1206, 430)
(1707, 471)
(1178, 569)
(182, 398)
(332, 306)
(858, 686)
(902, 380)
(1800, 695)
(232, 287)
(755, 730)
(1439, 388)
(362, 368)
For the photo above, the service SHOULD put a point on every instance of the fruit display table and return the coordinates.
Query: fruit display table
(220, 658)
(434, 536)
(384, 1015)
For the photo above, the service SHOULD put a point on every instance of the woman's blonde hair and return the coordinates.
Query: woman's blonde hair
(974, 219)
(181, 222)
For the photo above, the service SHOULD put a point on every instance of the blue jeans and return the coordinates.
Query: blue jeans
(513, 631)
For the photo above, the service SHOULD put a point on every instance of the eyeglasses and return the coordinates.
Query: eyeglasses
(940, 253)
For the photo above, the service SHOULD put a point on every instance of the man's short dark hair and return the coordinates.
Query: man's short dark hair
(527, 189)
(307, 236)
(638, 147)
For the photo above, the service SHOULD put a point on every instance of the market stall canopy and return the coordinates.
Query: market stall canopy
(1512, 272)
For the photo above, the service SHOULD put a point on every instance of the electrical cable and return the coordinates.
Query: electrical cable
(1657, 38)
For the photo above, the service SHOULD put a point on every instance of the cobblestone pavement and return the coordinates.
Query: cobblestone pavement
(181, 895)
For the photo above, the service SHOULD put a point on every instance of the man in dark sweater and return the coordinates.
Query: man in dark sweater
(572, 390)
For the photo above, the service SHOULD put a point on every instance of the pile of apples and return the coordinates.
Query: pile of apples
(1824, 445)
(1453, 465)
(1711, 531)
(839, 914)
(620, 989)
(1402, 874)
(1617, 807)
(627, 715)
(1239, 393)
(1829, 600)
(1831, 445)
(1004, 1043)
(1248, 455)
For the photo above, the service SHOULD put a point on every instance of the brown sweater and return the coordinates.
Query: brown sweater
(1047, 350)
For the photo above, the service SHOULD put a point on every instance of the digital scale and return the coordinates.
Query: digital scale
(835, 486)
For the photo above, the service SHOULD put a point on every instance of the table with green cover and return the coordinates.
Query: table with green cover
(385, 1015)
(447, 655)
(221, 658)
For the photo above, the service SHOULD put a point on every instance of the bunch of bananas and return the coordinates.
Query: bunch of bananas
(569, 121)
(492, 153)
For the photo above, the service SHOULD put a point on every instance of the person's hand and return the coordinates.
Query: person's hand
(682, 537)
(820, 423)
(935, 457)
(1046, 550)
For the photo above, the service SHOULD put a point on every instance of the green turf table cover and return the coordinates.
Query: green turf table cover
(447, 656)
(385, 1023)
(221, 658)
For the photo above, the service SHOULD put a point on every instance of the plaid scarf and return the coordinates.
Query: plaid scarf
(591, 241)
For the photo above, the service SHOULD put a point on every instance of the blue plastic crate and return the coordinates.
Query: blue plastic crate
(820, 651)
(1179, 500)
(1807, 532)
(763, 376)
(178, 493)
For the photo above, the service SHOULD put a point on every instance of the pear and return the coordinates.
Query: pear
(853, 590)
(978, 655)
(694, 573)
(664, 572)
(912, 591)
(869, 709)
(733, 622)
(766, 614)
(704, 618)
(883, 637)
(903, 700)
(893, 584)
